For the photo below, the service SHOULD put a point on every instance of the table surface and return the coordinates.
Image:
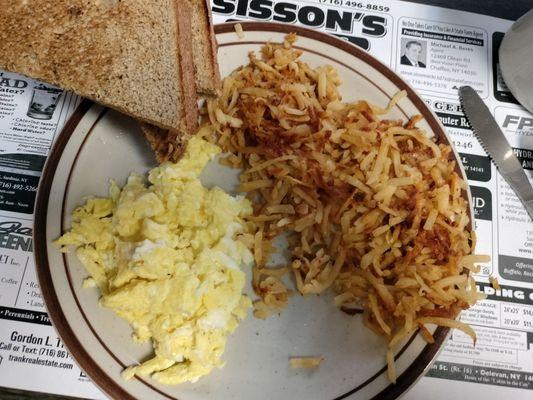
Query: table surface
(511, 10)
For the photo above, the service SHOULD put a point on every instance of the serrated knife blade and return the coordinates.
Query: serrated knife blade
(496, 145)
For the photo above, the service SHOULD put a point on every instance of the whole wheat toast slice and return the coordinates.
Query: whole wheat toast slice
(131, 55)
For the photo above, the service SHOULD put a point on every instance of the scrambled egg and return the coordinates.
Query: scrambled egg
(166, 260)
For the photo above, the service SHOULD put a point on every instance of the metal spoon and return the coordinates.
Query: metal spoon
(516, 60)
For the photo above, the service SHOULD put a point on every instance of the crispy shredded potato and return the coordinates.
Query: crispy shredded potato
(374, 208)
(305, 362)
(391, 371)
(494, 282)
(239, 31)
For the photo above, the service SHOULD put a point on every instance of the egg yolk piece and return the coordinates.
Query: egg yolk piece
(165, 257)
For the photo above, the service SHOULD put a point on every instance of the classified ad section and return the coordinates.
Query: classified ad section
(503, 322)
(30, 114)
(28, 342)
(516, 256)
(441, 57)
(34, 349)
(504, 349)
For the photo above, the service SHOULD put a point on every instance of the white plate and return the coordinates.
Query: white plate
(98, 144)
(516, 60)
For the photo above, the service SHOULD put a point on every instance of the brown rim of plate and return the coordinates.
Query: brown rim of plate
(82, 357)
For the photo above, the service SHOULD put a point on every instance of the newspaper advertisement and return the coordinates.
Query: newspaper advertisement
(437, 51)
(32, 113)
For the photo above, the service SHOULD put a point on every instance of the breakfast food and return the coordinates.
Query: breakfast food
(305, 362)
(374, 208)
(98, 49)
(494, 282)
(166, 259)
(167, 145)
(204, 49)
(239, 31)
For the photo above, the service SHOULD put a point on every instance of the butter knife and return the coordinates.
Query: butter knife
(496, 145)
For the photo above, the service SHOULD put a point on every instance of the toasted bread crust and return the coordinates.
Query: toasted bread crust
(205, 49)
(214, 46)
(183, 14)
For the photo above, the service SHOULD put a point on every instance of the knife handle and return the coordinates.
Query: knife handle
(519, 180)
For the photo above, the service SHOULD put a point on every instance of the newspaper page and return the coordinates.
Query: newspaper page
(31, 115)
(436, 50)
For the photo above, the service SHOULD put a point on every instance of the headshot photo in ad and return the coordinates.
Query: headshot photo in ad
(413, 53)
